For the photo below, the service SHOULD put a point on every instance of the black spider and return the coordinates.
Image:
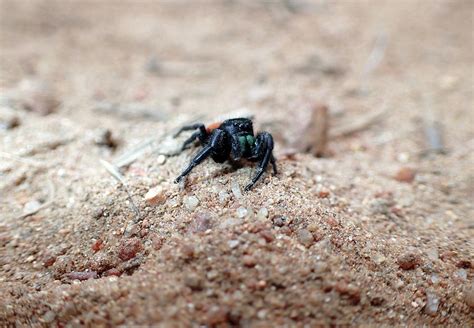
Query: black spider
(231, 140)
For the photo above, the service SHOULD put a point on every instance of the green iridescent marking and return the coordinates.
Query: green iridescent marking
(246, 142)
(243, 142)
(250, 140)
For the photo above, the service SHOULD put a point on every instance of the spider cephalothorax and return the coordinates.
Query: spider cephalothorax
(231, 140)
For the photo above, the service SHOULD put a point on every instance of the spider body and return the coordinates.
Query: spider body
(231, 140)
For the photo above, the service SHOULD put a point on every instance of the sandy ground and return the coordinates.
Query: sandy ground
(377, 232)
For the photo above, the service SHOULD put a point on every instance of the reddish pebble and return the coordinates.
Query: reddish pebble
(409, 261)
(49, 261)
(129, 249)
(84, 275)
(187, 252)
(464, 264)
(267, 235)
(349, 291)
(113, 272)
(98, 245)
(249, 261)
(217, 315)
(405, 174)
(323, 194)
(155, 196)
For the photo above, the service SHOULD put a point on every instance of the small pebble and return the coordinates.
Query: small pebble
(279, 221)
(236, 190)
(249, 261)
(405, 174)
(217, 316)
(213, 274)
(462, 273)
(194, 282)
(349, 291)
(409, 261)
(161, 159)
(191, 202)
(379, 259)
(49, 261)
(465, 264)
(129, 249)
(262, 213)
(434, 278)
(223, 197)
(242, 212)
(49, 317)
(432, 303)
(155, 196)
(31, 206)
(233, 243)
(305, 237)
(97, 245)
(323, 193)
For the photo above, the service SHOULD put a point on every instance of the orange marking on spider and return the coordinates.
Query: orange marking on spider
(213, 126)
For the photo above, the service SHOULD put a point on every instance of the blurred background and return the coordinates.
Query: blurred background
(108, 61)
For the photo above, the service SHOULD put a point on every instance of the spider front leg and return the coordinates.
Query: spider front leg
(263, 151)
(213, 146)
(201, 134)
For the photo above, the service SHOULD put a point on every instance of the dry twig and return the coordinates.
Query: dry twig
(118, 176)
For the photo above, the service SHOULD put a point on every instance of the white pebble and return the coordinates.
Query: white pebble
(432, 303)
(223, 196)
(161, 159)
(262, 213)
(191, 202)
(434, 278)
(233, 243)
(236, 190)
(31, 206)
(155, 196)
(242, 212)
(462, 273)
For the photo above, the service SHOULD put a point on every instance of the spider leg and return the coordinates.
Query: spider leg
(199, 126)
(272, 160)
(216, 138)
(201, 134)
(264, 147)
(190, 140)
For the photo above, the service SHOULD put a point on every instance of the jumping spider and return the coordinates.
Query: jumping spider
(231, 140)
